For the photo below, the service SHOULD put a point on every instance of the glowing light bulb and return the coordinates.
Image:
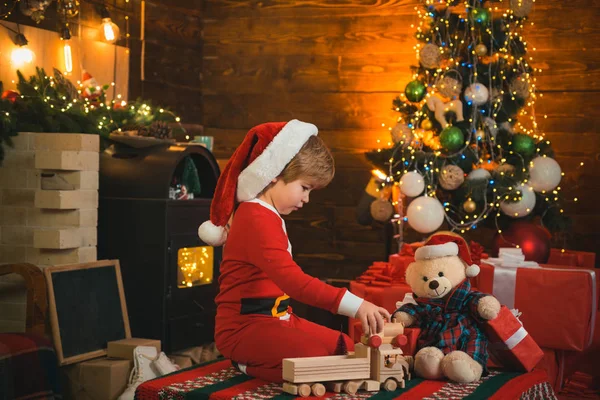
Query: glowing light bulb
(21, 56)
(110, 30)
(68, 57)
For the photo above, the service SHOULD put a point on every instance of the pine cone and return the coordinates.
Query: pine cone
(160, 130)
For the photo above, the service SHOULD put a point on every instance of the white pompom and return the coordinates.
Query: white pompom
(211, 234)
(472, 271)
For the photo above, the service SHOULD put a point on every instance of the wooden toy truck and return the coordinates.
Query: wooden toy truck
(377, 362)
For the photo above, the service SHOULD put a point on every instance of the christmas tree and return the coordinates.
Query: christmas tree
(467, 148)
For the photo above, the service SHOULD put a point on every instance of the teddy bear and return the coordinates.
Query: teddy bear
(448, 311)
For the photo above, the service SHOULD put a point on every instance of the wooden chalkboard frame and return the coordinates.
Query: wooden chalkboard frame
(54, 312)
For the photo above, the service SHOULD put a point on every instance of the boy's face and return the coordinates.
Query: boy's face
(288, 197)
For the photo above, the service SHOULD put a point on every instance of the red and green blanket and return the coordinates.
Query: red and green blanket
(219, 380)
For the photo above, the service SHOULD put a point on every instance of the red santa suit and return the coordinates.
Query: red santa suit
(255, 327)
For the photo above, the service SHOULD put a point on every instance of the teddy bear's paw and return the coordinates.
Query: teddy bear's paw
(405, 318)
(488, 307)
(459, 367)
(427, 363)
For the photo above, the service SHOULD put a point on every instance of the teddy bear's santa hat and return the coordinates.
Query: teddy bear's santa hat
(444, 244)
(262, 156)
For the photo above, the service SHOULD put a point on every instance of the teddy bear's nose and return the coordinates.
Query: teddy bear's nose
(434, 285)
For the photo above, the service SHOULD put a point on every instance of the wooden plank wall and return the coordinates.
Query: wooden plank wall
(339, 65)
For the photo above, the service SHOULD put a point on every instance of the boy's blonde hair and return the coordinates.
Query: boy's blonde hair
(313, 163)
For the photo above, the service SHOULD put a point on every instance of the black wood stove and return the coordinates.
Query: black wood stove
(170, 276)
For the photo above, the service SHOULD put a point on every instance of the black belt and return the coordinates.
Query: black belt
(275, 307)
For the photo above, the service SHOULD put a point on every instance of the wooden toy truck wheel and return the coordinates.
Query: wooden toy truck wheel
(351, 387)
(390, 385)
(304, 390)
(318, 390)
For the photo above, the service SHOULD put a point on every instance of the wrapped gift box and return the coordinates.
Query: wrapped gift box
(510, 343)
(583, 259)
(558, 303)
(384, 296)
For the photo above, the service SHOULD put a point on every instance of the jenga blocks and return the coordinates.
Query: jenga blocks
(49, 199)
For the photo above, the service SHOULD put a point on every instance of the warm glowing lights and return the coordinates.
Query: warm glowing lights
(21, 55)
(196, 265)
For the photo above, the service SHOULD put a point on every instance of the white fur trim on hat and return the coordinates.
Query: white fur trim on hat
(436, 251)
(472, 270)
(269, 164)
(212, 234)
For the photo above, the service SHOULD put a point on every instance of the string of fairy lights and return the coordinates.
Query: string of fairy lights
(443, 85)
(87, 88)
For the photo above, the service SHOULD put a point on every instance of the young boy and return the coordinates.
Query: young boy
(271, 174)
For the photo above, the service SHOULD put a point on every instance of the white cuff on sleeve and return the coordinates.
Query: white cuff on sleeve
(349, 305)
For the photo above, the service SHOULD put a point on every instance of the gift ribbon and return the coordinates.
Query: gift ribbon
(516, 338)
(505, 278)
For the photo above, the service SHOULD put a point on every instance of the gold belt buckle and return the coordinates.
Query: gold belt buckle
(276, 306)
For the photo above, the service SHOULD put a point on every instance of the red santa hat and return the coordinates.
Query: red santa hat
(262, 156)
(443, 244)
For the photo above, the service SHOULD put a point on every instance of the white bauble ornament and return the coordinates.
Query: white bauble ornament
(522, 207)
(451, 177)
(544, 174)
(430, 55)
(402, 133)
(425, 214)
(479, 173)
(412, 184)
(477, 94)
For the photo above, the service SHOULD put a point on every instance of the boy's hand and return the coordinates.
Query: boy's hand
(371, 317)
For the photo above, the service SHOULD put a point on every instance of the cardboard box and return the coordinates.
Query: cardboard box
(99, 379)
(124, 348)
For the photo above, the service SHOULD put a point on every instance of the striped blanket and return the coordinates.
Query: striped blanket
(219, 380)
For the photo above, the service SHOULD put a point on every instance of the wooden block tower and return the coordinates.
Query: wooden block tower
(48, 206)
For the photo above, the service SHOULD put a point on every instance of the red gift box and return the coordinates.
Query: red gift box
(384, 296)
(582, 259)
(510, 343)
(558, 303)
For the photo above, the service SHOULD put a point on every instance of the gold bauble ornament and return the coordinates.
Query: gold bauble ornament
(402, 133)
(382, 210)
(451, 177)
(469, 206)
(426, 124)
(429, 56)
(481, 50)
(449, 87)
(480, 134)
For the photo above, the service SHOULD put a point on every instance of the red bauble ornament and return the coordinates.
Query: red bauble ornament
(532, 238)
(10, 95)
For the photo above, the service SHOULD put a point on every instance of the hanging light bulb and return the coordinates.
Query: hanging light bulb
(22, 54)
(110, 30)
(66, 36)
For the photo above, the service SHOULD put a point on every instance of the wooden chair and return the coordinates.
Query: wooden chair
(28, 359)
(37, 295)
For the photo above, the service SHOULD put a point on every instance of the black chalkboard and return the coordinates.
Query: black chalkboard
(87, 309)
